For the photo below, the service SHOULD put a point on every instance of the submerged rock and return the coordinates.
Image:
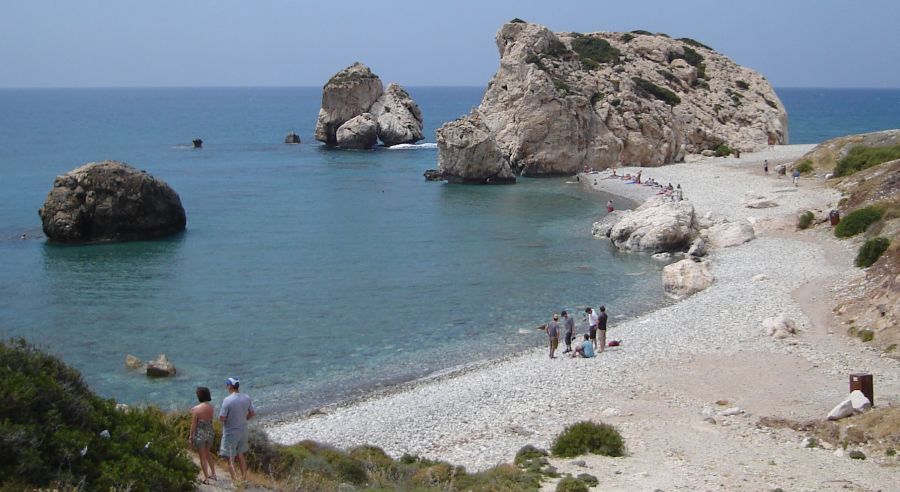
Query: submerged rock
(559, 101)
(110, 201)
(160, 368)
(292, 138)
(433, 175)
(399, 117)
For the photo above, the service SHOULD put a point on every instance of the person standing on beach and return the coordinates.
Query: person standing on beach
(766, 166)
(202, 433)
(601, 328)
(553, 334)
(236, 410)
(569, 325)
(796, 176)
(609, 206)
(593, 319)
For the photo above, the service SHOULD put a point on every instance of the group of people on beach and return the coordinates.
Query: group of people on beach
(673, 192)
(236, 410)
(594, 340)
(781, 171)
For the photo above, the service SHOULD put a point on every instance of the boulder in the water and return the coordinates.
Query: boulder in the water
(110, 201)
(160, 368)
(198, 143)
(292, 138)
(434, 175)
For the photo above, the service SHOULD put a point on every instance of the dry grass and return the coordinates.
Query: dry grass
(880, 428)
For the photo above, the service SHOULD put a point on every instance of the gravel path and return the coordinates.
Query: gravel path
(482, 417)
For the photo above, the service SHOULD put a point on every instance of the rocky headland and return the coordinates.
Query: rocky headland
(357, 111)
(110, 201)
(563, 101)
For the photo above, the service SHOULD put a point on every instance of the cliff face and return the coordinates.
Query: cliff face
(562, 101)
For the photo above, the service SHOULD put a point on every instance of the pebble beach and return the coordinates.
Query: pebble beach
(672, 365)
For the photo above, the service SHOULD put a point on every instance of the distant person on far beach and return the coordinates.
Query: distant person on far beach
(569, 327)
(766, 166)
(593, 319)
(796, 176)
(236, 410)
(584, 349)
(609, 206)
(601, 328)
(553, 335)
(202, 433)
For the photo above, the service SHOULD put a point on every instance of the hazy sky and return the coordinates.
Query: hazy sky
(90, 43)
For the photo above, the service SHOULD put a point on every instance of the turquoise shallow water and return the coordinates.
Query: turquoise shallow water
(313, 275)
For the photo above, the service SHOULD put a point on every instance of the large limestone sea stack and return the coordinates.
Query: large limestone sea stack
(110, 201)
(562, 101)
(357, 111)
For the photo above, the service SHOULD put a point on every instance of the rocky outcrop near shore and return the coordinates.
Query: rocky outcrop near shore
(356, 91)
(686, 277)
(110, 201)
(825, 156)
(562, 101)
(658, 225)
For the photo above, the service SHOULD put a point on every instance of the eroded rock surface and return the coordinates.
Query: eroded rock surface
(110, 201)
(360, 132)
(348, 94)
(658, 225)
(686, 277)
(399, 117)
(560, 101)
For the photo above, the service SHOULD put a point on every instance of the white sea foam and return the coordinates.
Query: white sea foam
(413, 146)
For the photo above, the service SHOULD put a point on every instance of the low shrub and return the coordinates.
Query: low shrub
(649, 88)
(627, 37)
(588, 437)
(588, 479)
(570, 484)
(595, 50)
(866, 335)
(857, 221)
(870, 251)
(804, 166)
(860, 158)
(806, 220)
(52, 432)
(742, 85)
(517, 20)
(642, 32)
(723, 150)
(857, 455)
(695, 43)
(527, 453)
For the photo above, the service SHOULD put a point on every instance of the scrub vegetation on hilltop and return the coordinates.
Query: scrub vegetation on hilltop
(860, 158)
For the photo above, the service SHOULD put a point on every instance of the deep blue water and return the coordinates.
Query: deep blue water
(311, 274)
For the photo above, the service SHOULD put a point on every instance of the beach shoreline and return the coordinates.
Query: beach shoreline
(653, 387)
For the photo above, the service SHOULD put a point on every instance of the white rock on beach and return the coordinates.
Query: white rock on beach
(686, 277)
(658, 225)
(730, 234)
(859, 401)
(841, 410)
(601, 228)
(779, 327)
(756, 200)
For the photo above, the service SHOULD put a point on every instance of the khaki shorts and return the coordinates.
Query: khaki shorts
(234, 443)
(554, 342)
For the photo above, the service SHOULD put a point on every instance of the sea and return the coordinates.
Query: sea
(313, 275)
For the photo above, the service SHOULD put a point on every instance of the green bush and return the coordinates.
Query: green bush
(51, 425)
(527, 453)
(866, 335)
(595, 50)
(517, 20)
(570, 484)
(871, 250)
(857, 221)
(626, 37)
(805, 220)
(692, 57)
(588, 437)
(723, 150)
(642, 32)
(695, 43)
(649, 88)
(742, 85)
(588, 479)
(804, 166)
(860, 158)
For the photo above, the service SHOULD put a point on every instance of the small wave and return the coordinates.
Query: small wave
(412, 146)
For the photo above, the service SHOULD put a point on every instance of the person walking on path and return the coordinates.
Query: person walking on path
(202, 433)
(593, 319)
(569, 326)
(236, 410)
(766, 167)
(553, 334)
(796, 176)
(601, 328)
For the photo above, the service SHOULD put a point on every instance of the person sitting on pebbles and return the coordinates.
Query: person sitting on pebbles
(584, 349)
